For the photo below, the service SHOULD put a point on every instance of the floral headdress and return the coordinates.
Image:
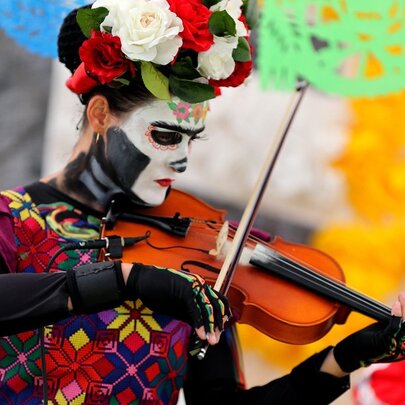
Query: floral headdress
(188, 48)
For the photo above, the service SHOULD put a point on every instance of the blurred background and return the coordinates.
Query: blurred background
(339, 184)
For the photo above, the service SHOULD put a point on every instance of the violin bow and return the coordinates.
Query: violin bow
(249, 215)
(231, 261)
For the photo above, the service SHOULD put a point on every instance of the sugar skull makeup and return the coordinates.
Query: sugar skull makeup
(159, 135)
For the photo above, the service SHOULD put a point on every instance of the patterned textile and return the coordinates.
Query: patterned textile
(128, 355)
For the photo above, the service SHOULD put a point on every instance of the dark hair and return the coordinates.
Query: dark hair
(121, 99)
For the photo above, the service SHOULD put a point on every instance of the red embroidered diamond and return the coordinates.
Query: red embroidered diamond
(103, 367)
(126, 397)
(178, 349)
(17, 384)
(134, 342)
(152, 372)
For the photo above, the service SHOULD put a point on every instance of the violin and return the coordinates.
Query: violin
(290, 292)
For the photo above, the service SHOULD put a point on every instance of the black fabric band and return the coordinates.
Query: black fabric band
(96, 287)
(308, 379)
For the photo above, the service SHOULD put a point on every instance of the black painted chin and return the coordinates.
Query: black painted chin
(124, 163)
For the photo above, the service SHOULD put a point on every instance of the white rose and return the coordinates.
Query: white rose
(147, 28)
(217, 63)
(234, 9)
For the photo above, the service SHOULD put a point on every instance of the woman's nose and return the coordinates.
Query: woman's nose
(180, 165)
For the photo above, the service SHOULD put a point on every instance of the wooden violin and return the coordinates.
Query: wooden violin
(290, 292)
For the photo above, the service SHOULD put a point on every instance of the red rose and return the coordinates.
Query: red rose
(103, 58)
(195, 16)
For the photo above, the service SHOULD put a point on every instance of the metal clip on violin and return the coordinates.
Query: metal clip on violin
(290, 292)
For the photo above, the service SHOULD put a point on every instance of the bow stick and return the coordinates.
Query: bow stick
(231, 261)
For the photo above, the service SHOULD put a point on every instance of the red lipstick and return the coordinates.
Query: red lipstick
(164, 182)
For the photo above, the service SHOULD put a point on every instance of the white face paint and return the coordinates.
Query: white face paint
(163, 132)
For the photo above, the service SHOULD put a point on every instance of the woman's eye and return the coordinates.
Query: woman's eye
(166, 138)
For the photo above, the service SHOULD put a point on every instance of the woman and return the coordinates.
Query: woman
(120, 331)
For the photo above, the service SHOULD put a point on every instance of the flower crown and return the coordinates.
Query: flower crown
(186, 48)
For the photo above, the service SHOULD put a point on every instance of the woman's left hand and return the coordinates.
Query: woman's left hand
(377, 343)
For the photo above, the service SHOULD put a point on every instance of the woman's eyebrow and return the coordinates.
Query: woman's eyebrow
(178, 128)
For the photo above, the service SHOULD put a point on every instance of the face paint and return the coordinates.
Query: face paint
(186, 112)
(103, 173)
(162, 136)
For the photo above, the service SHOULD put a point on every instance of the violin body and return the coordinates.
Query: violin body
(273, 305)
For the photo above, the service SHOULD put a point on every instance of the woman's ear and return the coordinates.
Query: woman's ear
(98, 114)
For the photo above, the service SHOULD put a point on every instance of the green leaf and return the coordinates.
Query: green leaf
(184, 68)
(210, 3)
(121, 80)
(242, 51)
(222, 24)
(155, 81)
(189, 91)
(91, 18)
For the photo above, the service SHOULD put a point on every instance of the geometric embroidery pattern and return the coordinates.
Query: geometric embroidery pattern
(127, 355)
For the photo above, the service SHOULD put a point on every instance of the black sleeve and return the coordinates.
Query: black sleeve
(29, 301)
(211, 381)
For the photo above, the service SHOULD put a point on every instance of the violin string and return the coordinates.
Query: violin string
(334, 284)
(354, 302)
(337, 288)
(355, 298)
(305, 269)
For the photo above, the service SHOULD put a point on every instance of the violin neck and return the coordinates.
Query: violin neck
(281, 265)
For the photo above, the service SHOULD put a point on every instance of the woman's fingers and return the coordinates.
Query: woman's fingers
(211, 338)
(214, 309)
(398, 309)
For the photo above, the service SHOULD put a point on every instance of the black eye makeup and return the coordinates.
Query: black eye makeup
(167, 134)
(166, 138)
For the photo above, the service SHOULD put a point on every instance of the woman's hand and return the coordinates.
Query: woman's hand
(377, 343)
(183, 295)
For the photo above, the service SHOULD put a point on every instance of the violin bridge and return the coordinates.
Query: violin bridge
(221, 240)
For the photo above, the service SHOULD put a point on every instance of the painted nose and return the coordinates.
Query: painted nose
(179, 166)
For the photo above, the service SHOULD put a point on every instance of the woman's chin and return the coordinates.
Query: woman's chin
(156, 199)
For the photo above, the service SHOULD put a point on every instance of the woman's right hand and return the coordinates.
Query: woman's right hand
(379, 342)
(182, 295)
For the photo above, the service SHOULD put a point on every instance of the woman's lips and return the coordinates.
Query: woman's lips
(164, 182)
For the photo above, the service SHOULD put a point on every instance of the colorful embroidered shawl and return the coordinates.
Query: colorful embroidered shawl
(128, 355)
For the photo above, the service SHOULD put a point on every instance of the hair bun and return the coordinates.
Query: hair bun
(70, 39)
